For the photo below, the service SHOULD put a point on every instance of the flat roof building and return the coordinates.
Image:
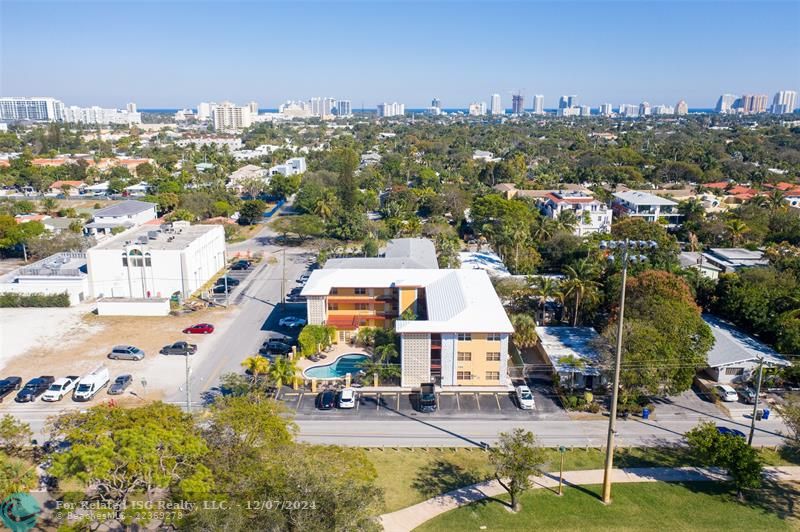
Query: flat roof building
(574, 354)
(650, 207)
(64, 272)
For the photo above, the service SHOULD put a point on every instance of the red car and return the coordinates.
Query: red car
(200, 328)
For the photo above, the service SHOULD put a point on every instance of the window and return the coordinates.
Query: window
(333, 306)
(360, 291)
(493, 337)
(734, 371)
(492, 375)
(135, 258)
(464, 375)
(334, 291)
(464, 356)
(147, 260)
(464, 337)
(362, 306)
(124, 259)
(493, 356)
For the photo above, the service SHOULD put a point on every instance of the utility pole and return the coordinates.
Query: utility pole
(227, 294)
(625, 247)
(188, 391)
(755, 402)
(283, 278)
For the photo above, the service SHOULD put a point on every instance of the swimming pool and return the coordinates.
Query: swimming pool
(338, 368)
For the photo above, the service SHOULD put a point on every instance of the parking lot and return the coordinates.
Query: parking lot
(234, 291)
(450, 404)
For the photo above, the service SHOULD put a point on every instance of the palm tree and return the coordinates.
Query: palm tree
(282, 370)
(546, 289)
(573, 363)
(775, 199)
(543, 228)
(692, 209)
(736, 229)
(524, 331)
(580, 284)
(386, 353)
(694, 243)
(256, 365)
(567, 221)
(324, 205)
(49, 205)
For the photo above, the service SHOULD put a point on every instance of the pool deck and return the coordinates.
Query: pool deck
(338, 350)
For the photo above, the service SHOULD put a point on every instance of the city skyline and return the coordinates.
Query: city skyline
(146, 62)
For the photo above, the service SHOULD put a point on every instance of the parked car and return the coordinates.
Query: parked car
(120, 384)
(725, 393)
(272, 346)
(60, 388)
(231, 281)
(200, 328)
(295, 298)
(91, 384)
(291, 321)
(179, 348)
(748, 395)
(8, 385)
(525, 398)
(427, 397)
(126, 352)
(303, 278)
(34, 388)
(241, 265)
(731, 432)
(347, 398)
(289, 340)
(222, 289)
(326, 400)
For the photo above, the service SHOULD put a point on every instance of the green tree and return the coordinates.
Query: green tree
(282, 186)
(282, 371)
(252, 212)
(13, 234)
(346, 162)
(515, 458)
(256, 366)
(15, 435)
(580, 284)
(524, 331)
(315, 337)
(790, 413)
(16, 475)
(727, 451)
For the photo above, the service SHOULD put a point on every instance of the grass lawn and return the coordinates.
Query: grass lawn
(646, 506)
(409, 476)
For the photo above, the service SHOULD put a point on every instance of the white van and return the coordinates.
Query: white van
(91, 384)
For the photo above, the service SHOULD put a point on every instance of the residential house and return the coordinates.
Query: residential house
(731, 260)
(573, 353)
(485, 156)
(510, 190)
(735, 355)
(293, 166)
(250, 172)
(67, 188)
(125, 215)
(652, 208)
(695, 260)
(591, 215)
(138, 190)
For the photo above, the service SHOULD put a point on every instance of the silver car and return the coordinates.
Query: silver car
(120, 384)
(126, 352)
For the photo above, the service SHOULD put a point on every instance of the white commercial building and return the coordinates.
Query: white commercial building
(101, 116)
(652, 208)
(35, 109)
(204, 110)
(57, 274)
(663, 110)
(156, 261)
(229, 117)
(495, 105)
(391, 109)
(125, 215)
(591, 215)
(538, 104)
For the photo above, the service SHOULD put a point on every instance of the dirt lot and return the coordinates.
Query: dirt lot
(84, 344)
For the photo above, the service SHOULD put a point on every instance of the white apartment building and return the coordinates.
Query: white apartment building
(592, 216)
(495, 105)
(343, 108)
(784, 102)
(628, 111)
(184, 115)
(232, 143)
(650, 207)
(292, 109)
(644, 109)
(98, 115)
(391, 109)
(538, 104)
(725, 103)
(126, 214)
(293, 166)
(204, 110)
(229, 117)
(35, 109)
(477, 109)
(682, 108)
(663, 110)
(568, 111)
(606, 109)
(156, 261)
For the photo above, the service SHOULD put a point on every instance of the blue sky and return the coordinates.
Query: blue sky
(162, 54)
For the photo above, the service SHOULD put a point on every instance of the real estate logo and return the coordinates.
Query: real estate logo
(19, 512)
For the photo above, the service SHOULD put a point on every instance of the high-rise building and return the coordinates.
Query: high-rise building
(517, 104)
(327, 107)
(569, 111)
(131, 107)
(436, 103)
(391, 109)
(538, 104)
(563, 102)
(725, 103)
(606, 109)
(229, 117)
(495, 105)
(663, 110)
(586, 110)
(36, 109)
(343, 108)
(628, 111)
(754, 104)
(784, 102)
(98, 115)
(682, 108)
(477, 109)
(253, 107)
(204, 110)
(644, 109)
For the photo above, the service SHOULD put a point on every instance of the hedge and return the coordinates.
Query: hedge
(10, 300)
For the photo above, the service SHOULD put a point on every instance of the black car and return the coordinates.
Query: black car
(231, 281)
(222, 289)
(241, 265)
(274, 346)
(288, 340)
(326, 400)
(8, 385)
(34, 388)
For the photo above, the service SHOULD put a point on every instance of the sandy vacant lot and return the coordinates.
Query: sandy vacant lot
(47, 342)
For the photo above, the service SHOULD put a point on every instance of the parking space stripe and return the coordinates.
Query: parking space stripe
(478, 401)
(458, 403)
(299, 400)
(397, 407)
(496, 398)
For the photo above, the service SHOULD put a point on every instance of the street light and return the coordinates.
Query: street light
(625, 256)
(561, 449)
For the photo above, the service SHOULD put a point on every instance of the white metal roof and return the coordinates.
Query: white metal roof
(638, 197)
(733, 346)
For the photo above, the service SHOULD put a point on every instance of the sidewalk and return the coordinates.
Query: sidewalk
(410, 518)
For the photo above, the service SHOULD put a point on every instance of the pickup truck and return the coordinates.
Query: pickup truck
(427, 397)
(8, 385)
(60, 388)
(179, 348)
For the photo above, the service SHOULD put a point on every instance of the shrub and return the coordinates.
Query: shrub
(34, 300)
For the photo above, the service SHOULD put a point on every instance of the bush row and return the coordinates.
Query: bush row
(34, 300)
